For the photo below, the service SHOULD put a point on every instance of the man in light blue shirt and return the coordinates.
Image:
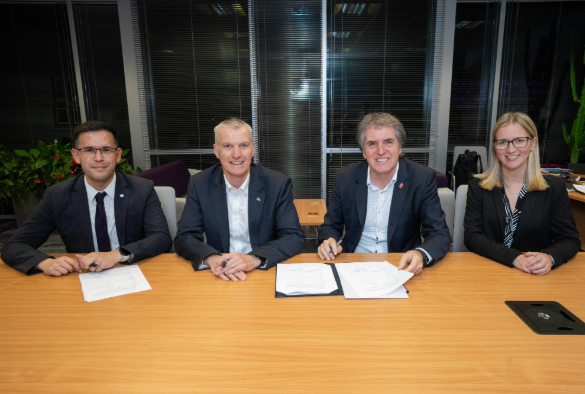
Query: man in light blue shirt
(386, 202)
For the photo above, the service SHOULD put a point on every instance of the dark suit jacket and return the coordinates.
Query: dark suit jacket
(140, 222)
(545, 225)
(415, 211)
(275, 232)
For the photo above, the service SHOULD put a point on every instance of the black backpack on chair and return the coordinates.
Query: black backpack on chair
(466, 167)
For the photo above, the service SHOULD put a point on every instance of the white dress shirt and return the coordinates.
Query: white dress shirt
(237, 205)
(375, 234)
(110, 213)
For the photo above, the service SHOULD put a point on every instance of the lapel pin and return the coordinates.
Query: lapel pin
(401, 186)
(122, 196)
(257, 198)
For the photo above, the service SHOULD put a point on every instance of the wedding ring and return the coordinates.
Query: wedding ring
(233, 266)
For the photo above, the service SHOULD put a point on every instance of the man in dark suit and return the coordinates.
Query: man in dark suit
(385, 202)
(245, 210)
(116, 217)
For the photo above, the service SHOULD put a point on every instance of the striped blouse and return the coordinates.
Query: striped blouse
(512, 218)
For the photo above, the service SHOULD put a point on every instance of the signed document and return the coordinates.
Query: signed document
(112, 283)
(378, 279)
(305, 279)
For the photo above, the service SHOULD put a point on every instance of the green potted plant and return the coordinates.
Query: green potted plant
(24, 176)
(576, 139)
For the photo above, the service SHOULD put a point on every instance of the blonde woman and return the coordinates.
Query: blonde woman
(516, 214)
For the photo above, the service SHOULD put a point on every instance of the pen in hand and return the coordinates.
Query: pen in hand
(223, 264)
(338, 243)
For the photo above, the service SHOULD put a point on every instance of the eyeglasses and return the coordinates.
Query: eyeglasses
(105, 151)
(519, 142)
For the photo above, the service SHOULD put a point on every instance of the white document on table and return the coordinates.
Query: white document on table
(305, 279)
(378, 279)
(112, 283)
(579, 188)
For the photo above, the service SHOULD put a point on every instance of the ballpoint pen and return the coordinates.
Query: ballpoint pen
(223, 264)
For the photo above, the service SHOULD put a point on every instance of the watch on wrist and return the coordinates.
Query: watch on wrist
(424, 256)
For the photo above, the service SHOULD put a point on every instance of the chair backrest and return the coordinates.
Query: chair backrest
(447, 198)
(174, 174)
(166, 195)
(458, 229)
(481, 150)
(181, 202)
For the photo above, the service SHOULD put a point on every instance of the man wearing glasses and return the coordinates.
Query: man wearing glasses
(103, 215)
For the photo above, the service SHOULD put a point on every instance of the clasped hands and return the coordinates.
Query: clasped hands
(237, 264)
(64, 264)
(533, 263)
(329, 249)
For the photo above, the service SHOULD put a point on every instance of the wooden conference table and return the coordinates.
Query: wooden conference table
(195, 333)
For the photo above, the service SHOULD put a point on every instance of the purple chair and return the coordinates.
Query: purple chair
(174, 174)
(441, 179)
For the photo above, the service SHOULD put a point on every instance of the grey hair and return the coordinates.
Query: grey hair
(232, 123)
(378, 120)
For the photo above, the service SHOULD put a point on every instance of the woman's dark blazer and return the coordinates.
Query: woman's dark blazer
(546, 224)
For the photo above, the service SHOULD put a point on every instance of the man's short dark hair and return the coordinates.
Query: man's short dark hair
(94, 125)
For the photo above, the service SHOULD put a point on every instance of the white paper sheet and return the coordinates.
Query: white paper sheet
(349, 293)
(301, 279)
(579, 188)
(112, 283)
(372, 280)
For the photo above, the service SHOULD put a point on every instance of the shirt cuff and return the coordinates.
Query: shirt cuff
(552, 259)
(428, 255)
(128, 258)
(202, 266)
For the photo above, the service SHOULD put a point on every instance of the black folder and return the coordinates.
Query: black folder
(337, 292)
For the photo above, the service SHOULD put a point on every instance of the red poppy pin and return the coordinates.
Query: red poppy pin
(401, 186)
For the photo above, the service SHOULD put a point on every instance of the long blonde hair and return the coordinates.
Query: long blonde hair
(534, 179)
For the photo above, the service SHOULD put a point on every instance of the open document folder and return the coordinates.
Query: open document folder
(354, 280)
(294, 280)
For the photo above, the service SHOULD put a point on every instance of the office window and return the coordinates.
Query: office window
(474, 57)
(38, 99)
(535, 77)
(196, 70)
(287, 86)
(102, 68)
(380, 59)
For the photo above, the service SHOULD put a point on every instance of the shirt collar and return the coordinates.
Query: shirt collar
(392, 182)
(244, 186)
(91, 192)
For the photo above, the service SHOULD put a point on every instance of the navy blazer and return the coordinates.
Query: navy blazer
(415, 211)
(140, 222)
(275, 232)
(546, 224)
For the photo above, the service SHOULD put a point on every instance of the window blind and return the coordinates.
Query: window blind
(196, 73)
(474, 57)
(287, 86)
(102, 68)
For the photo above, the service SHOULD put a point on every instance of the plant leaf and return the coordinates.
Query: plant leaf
(23, 153)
